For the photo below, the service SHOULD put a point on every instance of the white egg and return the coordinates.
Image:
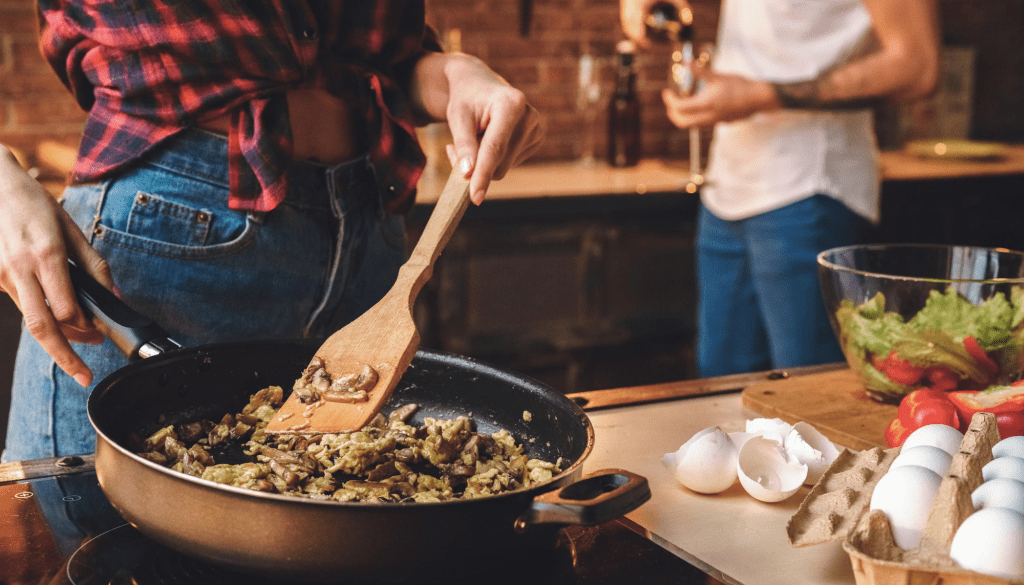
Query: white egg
(1001, 492)
(811, 448)
(991, 541)
(1008, 467)
(905, 495)
(767, 472)
(706, 463)
(942, 436)
(924, 456)
(1009, 447)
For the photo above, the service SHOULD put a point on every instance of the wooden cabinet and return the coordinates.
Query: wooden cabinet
(583, 292)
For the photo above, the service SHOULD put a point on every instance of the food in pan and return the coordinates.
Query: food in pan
(389, 460)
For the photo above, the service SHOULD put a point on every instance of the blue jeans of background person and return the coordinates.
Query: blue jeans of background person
(759, 298)
(207, 273)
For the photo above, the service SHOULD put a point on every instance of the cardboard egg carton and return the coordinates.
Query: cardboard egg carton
(837, 508)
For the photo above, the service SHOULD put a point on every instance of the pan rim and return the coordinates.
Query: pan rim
(558, 480)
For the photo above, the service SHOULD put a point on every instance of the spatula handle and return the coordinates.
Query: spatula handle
(448, 210)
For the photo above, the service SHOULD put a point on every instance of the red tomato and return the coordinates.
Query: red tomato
(900, 370)
(926, 407)
(979, 355)
(896, 433)
(941, 378)
(1010, 424)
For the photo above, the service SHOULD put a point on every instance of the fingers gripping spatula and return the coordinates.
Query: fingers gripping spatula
(376, 346)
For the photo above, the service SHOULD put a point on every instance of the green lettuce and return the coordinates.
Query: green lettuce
(991, 323)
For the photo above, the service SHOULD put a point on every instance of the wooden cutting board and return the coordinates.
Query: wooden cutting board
(834, 402)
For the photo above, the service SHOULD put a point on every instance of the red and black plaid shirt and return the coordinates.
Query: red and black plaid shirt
(146, 69)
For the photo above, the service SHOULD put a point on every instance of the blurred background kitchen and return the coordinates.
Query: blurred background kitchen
(581, 274)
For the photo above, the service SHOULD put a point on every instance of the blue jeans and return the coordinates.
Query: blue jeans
(759, 298)
(207, 273)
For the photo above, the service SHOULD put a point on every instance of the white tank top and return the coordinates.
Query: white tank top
(773, 159)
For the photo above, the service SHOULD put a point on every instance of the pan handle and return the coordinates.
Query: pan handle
(134, 334)
(601, 496)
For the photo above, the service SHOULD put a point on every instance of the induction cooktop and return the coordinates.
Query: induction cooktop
(57, 528)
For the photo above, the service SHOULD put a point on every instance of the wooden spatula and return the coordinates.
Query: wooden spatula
(384, 338)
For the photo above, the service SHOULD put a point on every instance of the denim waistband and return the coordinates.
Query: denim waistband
(204, 155)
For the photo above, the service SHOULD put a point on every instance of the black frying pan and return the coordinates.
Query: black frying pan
(325, 540)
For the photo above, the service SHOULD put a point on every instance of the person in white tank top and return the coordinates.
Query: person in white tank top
(793, 164)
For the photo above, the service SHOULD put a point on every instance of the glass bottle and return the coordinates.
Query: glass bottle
(624, 110)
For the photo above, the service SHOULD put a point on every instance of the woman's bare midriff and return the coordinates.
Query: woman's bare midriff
(324, 128)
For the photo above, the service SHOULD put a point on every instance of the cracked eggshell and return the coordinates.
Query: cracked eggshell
(706, 463)
(811, 448)
(767, 472)
(775, 429)
(739, 438)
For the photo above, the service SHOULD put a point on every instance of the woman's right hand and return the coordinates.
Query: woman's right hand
(37, 236)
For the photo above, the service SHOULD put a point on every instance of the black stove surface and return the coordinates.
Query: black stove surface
(61, 530)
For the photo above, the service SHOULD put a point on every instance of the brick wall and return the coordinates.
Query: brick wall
(544, 63)
(34, 106)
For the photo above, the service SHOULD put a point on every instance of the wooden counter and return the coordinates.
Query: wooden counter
(570, 178)
(899, 165)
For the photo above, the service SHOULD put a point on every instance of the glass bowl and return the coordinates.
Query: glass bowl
(912, 316)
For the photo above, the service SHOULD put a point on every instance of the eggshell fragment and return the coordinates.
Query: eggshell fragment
(905, 495)
(991, 541)
(1009, 447)
(706, 463)
(811, 448)
(1007, 467)
(942, 436)
(999, 493)
(924, 456)
(739, 438)
(775, 429)
(767, 472)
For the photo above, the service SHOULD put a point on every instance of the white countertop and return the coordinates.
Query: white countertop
(743, 540)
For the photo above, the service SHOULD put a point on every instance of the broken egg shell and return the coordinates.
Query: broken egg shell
(767, 472)
(739, 438)
(769, 428)
(706, 463)
(811, 448)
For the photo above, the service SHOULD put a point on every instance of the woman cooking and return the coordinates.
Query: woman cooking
(242, 174)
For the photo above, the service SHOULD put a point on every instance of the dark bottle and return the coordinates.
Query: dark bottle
(624, 111)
